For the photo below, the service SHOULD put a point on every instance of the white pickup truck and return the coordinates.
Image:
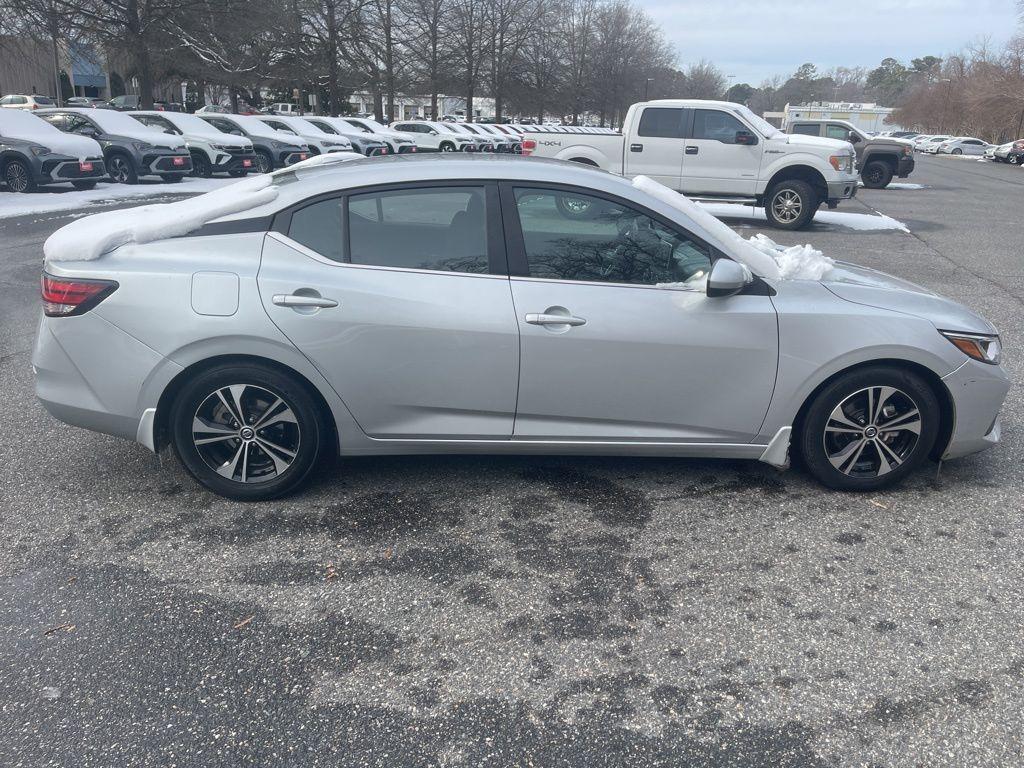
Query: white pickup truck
(716, 150)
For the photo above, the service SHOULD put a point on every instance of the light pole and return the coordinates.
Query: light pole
(647, 88)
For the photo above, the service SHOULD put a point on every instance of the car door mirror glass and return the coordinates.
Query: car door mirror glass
(727, 278)
(746, 138)
(852, 137)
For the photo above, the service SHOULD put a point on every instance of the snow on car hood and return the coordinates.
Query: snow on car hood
(120, 124)
(90, 237)
(872, 288)
(22, 125)
(762, 255)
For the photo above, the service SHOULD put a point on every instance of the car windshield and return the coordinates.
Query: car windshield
(110, 121)
(361, 126)
(765, 128)
(187, 123)
(258, 128)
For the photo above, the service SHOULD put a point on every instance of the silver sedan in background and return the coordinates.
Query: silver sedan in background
(462, 304)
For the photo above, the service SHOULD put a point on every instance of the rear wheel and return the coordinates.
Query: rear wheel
(869, 429)
(83, 184)
(122, 169)
(876, 175)
(791, 204)
(957, 151)
(18, 176)
(247, 431)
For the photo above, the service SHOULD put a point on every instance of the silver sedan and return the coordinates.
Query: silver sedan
(443, 304)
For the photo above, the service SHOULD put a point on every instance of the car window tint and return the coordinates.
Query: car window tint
(717, 126)
(571, 236)
(837, 132)
(441, 228)
(319, 227)
(661, 122)
(808, 129)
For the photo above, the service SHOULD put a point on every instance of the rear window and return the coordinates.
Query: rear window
(43, 100)
(661, 122)
(808, 129)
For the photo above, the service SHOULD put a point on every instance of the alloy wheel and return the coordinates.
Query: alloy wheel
(787, 206)
(17, 177)
(263, 164)
(872, 432)
(246, 433)
(119, 170)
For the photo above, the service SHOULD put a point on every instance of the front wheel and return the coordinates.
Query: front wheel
(122, 170)
(264, 162)
(876, 175)
(201, 167)
(957, 151)
(1013, 159)
(869, 428)
(447, 146)
(791, 204)
(18, 176)
(247, 431)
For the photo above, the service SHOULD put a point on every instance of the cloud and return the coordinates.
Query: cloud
(755, 39)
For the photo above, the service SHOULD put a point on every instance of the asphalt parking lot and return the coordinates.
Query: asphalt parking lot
(454, 611)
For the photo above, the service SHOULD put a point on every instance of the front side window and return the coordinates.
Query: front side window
(570, 236)
(436, 228)
(57, 121)
(78, 124)
(807, 129)
(666, 123)
(716, 126)
(837, 132)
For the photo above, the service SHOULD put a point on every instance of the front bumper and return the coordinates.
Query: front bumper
(226, 162)
(53, 169)
(843, 189)
(905, 166)
(291, 157)
(404, 149)
(166, 163)
(978, 391)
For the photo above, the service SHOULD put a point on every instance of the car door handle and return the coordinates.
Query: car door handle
(540, 318)
(636, 147)
(293, 300)
(692, 150)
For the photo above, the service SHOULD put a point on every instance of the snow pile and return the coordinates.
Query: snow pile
(795, 262)
(762, 255)
(21, 124)
(91, 237)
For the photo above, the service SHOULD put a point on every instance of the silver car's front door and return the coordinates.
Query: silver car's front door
(403, 315)
(619, 341)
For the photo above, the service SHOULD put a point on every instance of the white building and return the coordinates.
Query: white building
(866, 116)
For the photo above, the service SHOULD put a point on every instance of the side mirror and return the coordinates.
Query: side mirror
(746, 138)
(727, 278)
(852, 137)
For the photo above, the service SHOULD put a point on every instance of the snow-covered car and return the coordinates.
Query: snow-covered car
(29, 101)
(361, 142)
(497, 141)
(398, 143)
(212, 151)
(512, 142)
(273, 148)
(213, 109)
(320, 142)
(87, 101)
(963, 145)
(483, 144)
(33, 152)
(1011, 152)
(131, 150)
(436, 136)
(281, 350)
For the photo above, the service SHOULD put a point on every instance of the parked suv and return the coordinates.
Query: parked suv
(130, 149)
(879, 158)
(212, 151)
(364, 144)
(399, 143)
(273, 148)
(27, 101)
(436, 136)
(1012, 152)
(319, 141)
(33, 152)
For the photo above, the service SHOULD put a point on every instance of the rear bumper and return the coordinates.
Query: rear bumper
(978, 391)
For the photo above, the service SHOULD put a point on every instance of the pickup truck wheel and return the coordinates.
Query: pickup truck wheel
(876, 175)
(791, 204)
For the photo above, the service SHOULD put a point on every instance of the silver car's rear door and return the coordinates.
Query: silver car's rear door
(393, 295)
(619, 340)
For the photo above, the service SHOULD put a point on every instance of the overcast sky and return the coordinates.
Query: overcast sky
(755, 39)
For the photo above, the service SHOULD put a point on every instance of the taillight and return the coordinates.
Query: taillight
(528, 146)
(64, 297)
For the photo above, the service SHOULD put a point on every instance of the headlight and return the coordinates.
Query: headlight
(224, 147)
(842, 163)
(278, 145)
(985, 349)
(141, 146)
(39, 150)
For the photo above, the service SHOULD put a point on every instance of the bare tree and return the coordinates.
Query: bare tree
(428, 46)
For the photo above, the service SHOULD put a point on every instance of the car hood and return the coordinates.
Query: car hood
(872, 288)
(816, 142)
(66, 144)
(156, 138)
(216, 137)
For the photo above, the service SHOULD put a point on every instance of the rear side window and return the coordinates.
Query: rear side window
(808, 129)
(571, 236)
(661, 122)
(437, 228)
(716, 126)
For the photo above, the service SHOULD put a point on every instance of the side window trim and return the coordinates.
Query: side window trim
(497, 259)
(518, 262)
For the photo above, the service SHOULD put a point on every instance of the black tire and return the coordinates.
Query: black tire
(1013, 159)
(201, 167)
(243, 454)
(584, 161)
(446, 146)
(18, 176)
(264, 162)
(171, 178)
(876, 174)
(873, 442)
(83, 185)
(122, 169)
(791, 204)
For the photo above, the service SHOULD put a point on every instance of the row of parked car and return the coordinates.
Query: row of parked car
(83, 145)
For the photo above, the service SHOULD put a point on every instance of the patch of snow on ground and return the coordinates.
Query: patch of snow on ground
(50, 199)
(861, 222)
(899, 185)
